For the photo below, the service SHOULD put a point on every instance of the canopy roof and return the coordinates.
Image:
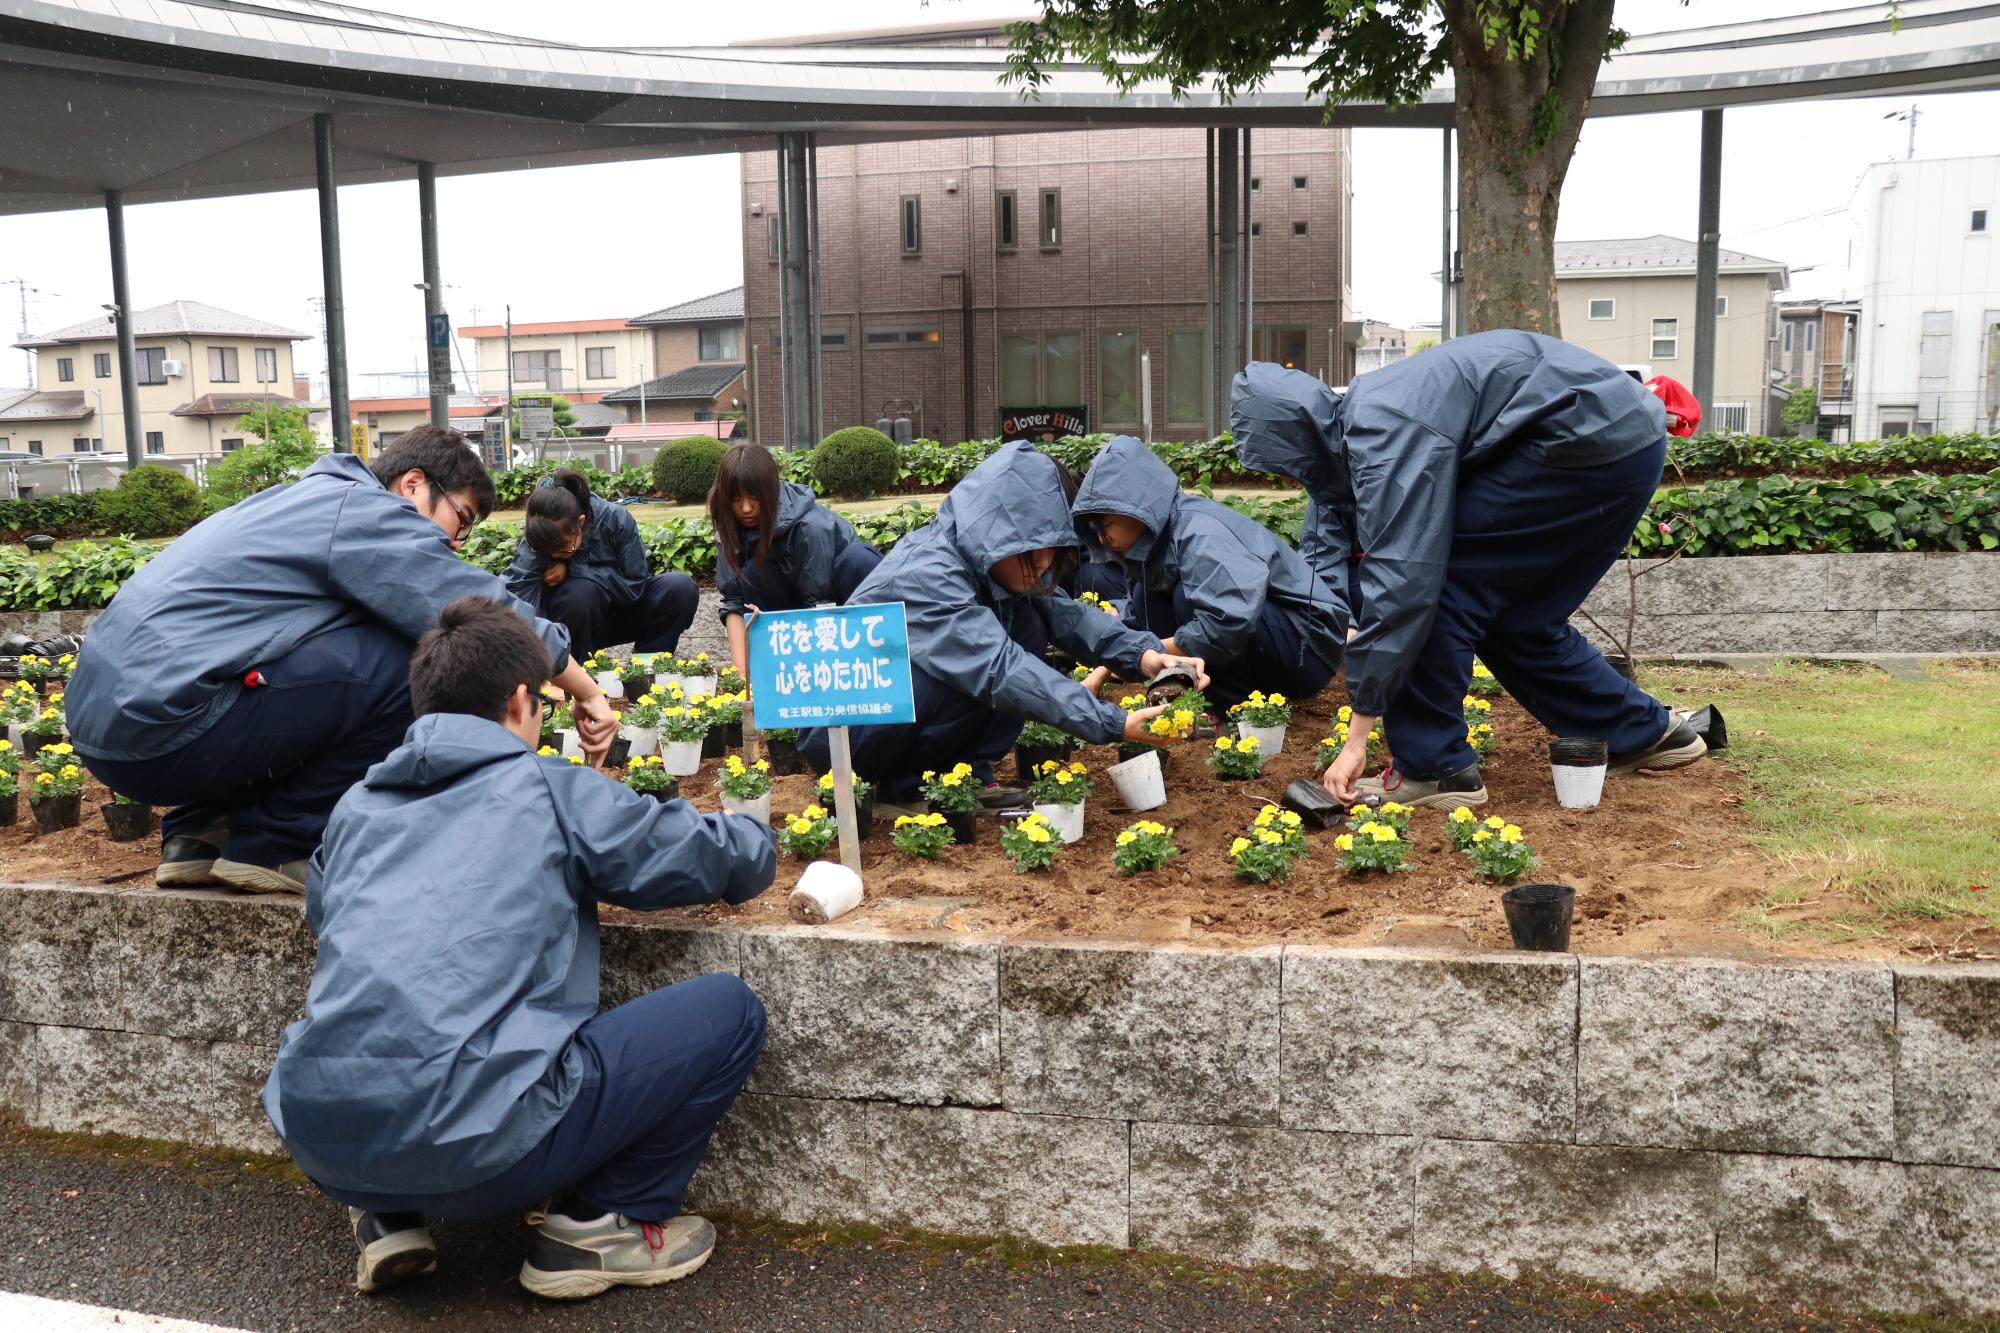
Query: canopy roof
(181, 99)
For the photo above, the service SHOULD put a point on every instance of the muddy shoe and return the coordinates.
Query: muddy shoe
(572, 1261)
(395, 1247)
(1680, 746)
(1464, 787)
(187, 860)
(287, 878)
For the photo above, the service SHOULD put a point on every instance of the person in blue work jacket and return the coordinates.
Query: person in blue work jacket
(1209, 581)
(255, 668)
(452, 1061)
(979, 600)
(776, 548)
(1478, 490)
(581, 564)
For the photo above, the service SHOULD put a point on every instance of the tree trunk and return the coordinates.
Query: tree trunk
(1519, 114)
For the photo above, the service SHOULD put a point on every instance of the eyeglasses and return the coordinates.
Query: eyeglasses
(464, 516)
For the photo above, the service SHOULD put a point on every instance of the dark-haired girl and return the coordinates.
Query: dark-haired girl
(778, 550)
(582, 565)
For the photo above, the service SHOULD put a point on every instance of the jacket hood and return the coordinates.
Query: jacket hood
(1128, 478)
(1287, 422)
(1012, 502)
(440, 748)
(347, 467)
(794, 503)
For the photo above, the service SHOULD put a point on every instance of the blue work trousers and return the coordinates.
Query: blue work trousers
(1528, 544)
(277, 762)
(1275, 659)
(653, 623)
(659, 1072)
(766, 590)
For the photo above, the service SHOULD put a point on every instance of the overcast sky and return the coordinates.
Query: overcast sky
(642, 238)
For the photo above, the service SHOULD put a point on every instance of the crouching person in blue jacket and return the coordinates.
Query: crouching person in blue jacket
(452, 1062)
(1210, 582)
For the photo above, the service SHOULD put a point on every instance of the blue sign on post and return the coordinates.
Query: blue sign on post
(835, 666)
(440, 331)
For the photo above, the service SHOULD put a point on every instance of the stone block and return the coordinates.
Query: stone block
(237, 1109)
(1183, 1035)
(1630, 1217)
(1274, 1196)
(1862, 1235)
(1906, 581)
(1722, 585)
(59, 956)
(1796, 632)
(1384, 1041)
(635, 960)
(1948, 1064)
(211, 966)
(1939, 631)
(904, 1019)
(17, 1070)
(1050, 1179)
(123, 1083)
(1742, 1057)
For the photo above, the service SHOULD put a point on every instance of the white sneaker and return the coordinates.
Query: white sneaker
(570, 1260)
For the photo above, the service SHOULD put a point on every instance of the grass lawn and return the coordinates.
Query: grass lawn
(1881, 798)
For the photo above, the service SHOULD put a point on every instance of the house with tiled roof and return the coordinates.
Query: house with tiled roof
(200, 369)
(706, 391)
(705, 331)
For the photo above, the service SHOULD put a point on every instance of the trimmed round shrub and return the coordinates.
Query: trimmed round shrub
(856, 462)
(151, 501)
(685, 469)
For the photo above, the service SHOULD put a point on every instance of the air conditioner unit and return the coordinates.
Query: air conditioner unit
(171, 369)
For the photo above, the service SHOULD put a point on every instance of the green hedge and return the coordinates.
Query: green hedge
(75, 577)
(1715, 456)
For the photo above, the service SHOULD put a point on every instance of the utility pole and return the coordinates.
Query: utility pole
(1910, 116)
(21, 287)
(507, 414)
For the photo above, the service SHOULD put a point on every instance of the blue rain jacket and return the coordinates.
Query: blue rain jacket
(1229, 565)
(1382, 463)
(248, 585)
(959, 618)
(612, 557)
(805, 540)
(455, 903)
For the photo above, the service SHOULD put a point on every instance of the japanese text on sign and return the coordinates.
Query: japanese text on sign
(831, 667)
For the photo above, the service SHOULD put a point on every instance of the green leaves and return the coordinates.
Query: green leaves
(79, 576)
(1777, 515)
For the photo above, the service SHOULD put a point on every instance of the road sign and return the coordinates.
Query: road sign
(357, 439)
(830, 667)
(439, 330)
(538, 415)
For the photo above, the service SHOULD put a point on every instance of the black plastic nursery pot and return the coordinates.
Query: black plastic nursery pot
(732, 735)
(964, 824)
(620, 753)
(1579, 752)
(1027, 758)
(58, 812)
(785, 758)
(1538, 916)
(127, 822)
(10, 809)
(670, 792)
(34, 745)
(713, 743)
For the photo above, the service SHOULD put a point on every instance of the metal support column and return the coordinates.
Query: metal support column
(1708, 229)
(1208, 331)
(440, 357)
(812, 273)
(1249, 255)
(1228, 310)
(1444, 251)
(785, 331)
(128, 354)
(802, 329)
(336, 305)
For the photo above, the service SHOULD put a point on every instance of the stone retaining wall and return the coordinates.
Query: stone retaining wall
(1831, 1130)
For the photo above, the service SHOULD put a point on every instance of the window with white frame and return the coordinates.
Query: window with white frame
(1934, 346)
(1897, 421)
(1666, 339)
(267, 365)
(156, 442)
(1722, 307)
(600, 363)
(1603, 307)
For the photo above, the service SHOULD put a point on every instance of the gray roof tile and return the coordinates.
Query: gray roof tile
(1658, 251)
(174, 319)
(702, 381)
(703, 309)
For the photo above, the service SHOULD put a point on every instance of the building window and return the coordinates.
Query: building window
(1810, 331)
(1004, 210)
(721, 342)
(80, 444)
(900, 337)
(600, 363)
(1298, 182)
(34, 446)
(1603, 307)
(267, 365)
(100, 362)
(1722, 307)
(65, 369)
(1118, 377)
(1052, 218)
(1788, 335)
(1041, 369)
(1666, 339)
(152, 365)
(774, 237)
(1732, 417)
(1256, 182)
(1298, 229)
(1896, 421)
(1979, 219)
(232, 445)
(913, 225)
(1256, 229)
(222, 365)
(1287, 347)
(156, 442)
(1934, 346)
(543, 368)
(836, 338)
(1184, 378)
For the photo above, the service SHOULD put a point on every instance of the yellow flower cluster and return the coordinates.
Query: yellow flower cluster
(1036, 829)
(1172, 725)
(576, 759)
(735, 765)
(1479, 671)
(641, 761)
(60, 747)
(958, 774)
(1477, 704)
(1131, 835)
(1053, 768)
(1371, 830)
(1271, 815)
(931, 820)
(1244, 744)
(547, 751)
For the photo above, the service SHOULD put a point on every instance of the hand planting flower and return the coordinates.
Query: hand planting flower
(1501, 855)
(955, 791)
(1461, 824)
(806, 834)
(1031, 842)
(1175, 723)
(1483, 684)
(923, 835)
(646, 774)
(1261, 856)
(1056, 783)
(1330, 746)
(1236, 758)
(1393, 813)
(744, 782)
(1262, 710)
(1146, 845)
(1373, 846)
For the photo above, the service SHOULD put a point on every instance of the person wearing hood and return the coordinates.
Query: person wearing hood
(256, 667)
(1209, 581)
(452, 1061)
(581, 564)
(1471, 496)
(977, 588)
(776, 548)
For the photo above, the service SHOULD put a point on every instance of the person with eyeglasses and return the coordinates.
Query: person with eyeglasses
(259, 665)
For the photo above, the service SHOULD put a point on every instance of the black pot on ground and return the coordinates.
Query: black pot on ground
(10, 809)
(713, 743)
(864, 814)
(1538, 916)
(34, 745)
(58, 812)
(1027, 758)
(127, 822)
(732, 735)
(620, 753)
(785, 758)
(964, 824)
(671, 792)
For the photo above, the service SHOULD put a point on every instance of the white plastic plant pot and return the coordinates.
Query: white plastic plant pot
(758, 808)
(613, 687)
(1141, 784)
(14, 736)
(1270, 740)
(702, 685)
(567, 741)
(1578, 788)
(682, 759)
(826, 890)
(644, 740)
(1067, 820)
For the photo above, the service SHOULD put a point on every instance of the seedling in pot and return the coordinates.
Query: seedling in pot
(924, 835)
(954, 795)
(806, 834)
(647, 775)
(1236, 758)
(1031, 841)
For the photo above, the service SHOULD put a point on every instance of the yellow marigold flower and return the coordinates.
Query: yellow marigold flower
(45, 778)
(1384, 833)
(1345, 714)
(904, 819)
(1510, 834)
(6, 746)
(1224, 743)
(1290, 819)
(1480, 672)
(1183, 717)
(1344, 842)
(1494, 821)
(1038, 833)
(1357, 809)
(1269, 837)
(60, 747)
(1276, 701)
(952, 779)
(575, 758)
(802, 825)
(1462, 815)
(1247, 743)
(1482, 836)
(1148, 826)
(929, 773)
(1238, 847)
(1125, 839)
(814, 812)
(762, 765)
(71, 770)
(1065, 778)
(734, 763)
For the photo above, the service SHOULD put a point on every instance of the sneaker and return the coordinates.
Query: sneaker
(395, 1247)
(187, 860)
(1464, 787)
(570, 1260)
(1679, 746)
(287, 878)
(994, 799)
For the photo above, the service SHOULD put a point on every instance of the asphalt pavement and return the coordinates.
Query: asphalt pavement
(174, 1233)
